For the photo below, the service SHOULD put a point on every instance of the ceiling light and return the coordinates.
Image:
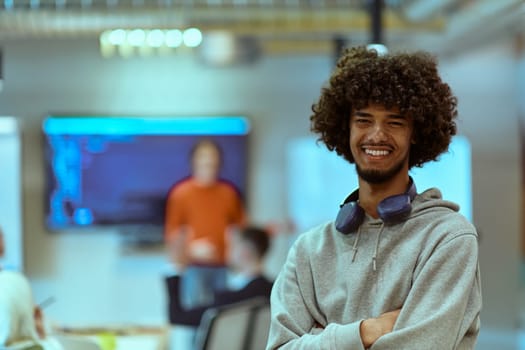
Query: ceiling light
(155, 38)
(192, 37)
(117, 37)
(173, 38)
(136, 37)
(379, 48)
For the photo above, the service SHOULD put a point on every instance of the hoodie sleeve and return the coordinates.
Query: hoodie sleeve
(442, 309)
(294, 315)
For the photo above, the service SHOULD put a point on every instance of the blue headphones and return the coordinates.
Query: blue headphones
(391, 209)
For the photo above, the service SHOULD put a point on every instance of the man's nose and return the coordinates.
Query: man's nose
(378, 132)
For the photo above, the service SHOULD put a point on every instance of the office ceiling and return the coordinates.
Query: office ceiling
(279, 26)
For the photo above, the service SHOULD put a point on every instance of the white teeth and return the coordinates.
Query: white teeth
(376, 153)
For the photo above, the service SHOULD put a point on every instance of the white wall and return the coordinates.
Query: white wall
(10, 194)
(95, 281)
(485, 82)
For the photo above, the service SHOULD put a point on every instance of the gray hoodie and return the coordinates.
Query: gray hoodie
(426, 265)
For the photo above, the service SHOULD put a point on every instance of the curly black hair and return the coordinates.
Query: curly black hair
(408, 81)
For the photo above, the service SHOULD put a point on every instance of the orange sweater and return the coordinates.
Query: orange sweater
(206, 210)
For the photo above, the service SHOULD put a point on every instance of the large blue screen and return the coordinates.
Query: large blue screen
(119, 170)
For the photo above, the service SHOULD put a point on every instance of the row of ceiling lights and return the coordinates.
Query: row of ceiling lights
(127, 42)
(35, 4)
(191, 37)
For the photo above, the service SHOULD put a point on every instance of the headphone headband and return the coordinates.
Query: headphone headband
(391, 209)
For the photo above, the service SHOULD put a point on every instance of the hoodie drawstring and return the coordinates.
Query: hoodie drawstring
(374, 258)
(356, 242)
(355, 246)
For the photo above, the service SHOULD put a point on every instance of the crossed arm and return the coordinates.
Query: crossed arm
(373, 328)
(441, 310)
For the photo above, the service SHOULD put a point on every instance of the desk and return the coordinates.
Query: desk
(121, 338)
(140, 342)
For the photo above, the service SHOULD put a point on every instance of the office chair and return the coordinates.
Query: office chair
(258, 336)
(239, 326)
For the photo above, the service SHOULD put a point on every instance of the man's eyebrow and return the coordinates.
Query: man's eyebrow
(397, 116)
(362, 114)
(391, 115)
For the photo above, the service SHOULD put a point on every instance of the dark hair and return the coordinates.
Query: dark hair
(408, 81)
(258, 237)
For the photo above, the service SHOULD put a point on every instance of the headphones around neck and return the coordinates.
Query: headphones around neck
(391, 209)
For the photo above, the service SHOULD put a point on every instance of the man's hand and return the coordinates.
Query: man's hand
(373, 328)
(202, 250)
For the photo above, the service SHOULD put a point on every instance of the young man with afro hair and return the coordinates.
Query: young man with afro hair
(396, 269)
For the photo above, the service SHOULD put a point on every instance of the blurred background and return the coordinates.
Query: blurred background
(264, 61)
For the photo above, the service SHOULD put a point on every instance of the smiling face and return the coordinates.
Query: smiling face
(380, 142)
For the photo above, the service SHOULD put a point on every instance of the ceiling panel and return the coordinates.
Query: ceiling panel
(279, 25)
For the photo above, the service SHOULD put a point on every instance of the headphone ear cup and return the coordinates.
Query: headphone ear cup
(394, 208)
(391, 209)
(349, 217)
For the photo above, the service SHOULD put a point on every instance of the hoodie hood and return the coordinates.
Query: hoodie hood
(428, 202)
(431, 199)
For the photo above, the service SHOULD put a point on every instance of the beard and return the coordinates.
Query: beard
(375, 176)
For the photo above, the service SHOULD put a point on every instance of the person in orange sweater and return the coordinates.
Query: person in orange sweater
(202, 208)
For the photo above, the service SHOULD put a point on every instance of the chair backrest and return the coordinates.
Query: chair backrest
(74, 342)
(239, 326)
(258, 336)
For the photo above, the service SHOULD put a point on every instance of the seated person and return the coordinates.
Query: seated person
(21, 324)
(247, 247)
